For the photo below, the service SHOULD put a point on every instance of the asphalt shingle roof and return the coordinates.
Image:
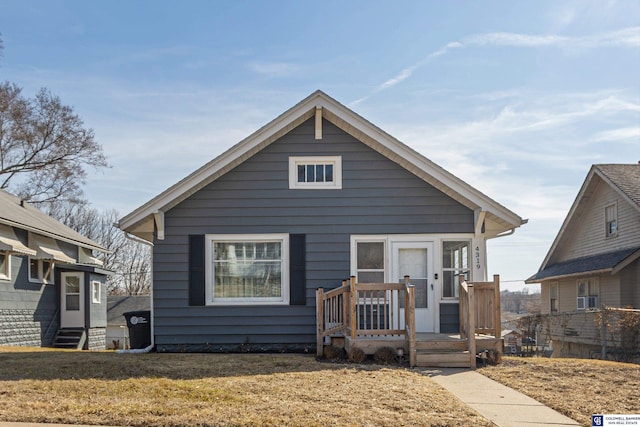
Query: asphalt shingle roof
(14, 212)
(625, 177)
(118, 305)
(585, 264)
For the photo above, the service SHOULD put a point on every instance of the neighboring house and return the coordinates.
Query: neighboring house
(594, 260)
(117, 305)
(512, 340)
(317, 195)
(52, 287)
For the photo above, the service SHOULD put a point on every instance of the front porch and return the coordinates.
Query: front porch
(374, 315)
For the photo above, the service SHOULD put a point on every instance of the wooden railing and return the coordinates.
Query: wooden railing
(479, 312)
(367, 310)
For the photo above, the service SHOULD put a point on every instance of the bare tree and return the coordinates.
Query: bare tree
(44, 147)
(130, 261)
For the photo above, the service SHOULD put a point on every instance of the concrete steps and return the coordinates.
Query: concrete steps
(71, 338)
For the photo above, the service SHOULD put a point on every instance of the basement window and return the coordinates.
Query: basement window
(315, 172)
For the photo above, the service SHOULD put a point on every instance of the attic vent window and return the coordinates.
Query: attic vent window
(315, 172)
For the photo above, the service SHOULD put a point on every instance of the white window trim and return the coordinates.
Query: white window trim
(6, 273)
(41, 272)
(95, 300)
(210, 238)
(336, 161)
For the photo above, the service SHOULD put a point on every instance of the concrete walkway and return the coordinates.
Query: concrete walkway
(498, 403)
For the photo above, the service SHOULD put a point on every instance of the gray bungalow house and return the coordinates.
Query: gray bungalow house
(52, 287)
(594, 260)
(317, 195)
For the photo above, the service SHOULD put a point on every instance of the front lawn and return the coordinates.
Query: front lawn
(577, 388)
(46, 385)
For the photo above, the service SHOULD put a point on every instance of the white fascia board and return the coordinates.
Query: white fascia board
(462, 191)
(205, 174)
(461, 188)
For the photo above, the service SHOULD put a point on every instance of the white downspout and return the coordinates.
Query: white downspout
(150, 347)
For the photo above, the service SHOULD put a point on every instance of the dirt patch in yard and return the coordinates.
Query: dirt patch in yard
(577, 388)
(217, 390)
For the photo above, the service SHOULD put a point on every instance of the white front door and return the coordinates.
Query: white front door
(415, 259)
(72, 300)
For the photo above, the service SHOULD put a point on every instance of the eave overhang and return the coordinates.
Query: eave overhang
(144, 221)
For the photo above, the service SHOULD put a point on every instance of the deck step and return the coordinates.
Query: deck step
(443, 359)
(441, 345)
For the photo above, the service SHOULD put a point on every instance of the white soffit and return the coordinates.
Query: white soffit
(47, 248)
(10, 242)
(349, 122)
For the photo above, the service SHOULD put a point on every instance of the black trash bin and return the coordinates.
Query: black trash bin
(139, 324)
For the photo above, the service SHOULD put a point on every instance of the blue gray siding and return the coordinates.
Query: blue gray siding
(377, 197)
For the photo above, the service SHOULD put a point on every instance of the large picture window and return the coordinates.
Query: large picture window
(455, 261)
(248, 269)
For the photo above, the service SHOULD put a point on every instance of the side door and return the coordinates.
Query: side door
(72, 300)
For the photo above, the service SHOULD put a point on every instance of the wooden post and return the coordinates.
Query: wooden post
(497, 321)
(410, 320)
(346, 300)
(353, 297)
(319, 321)
(462, 306)
(471, 333)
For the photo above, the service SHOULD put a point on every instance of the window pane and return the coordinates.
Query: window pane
(73, 302)
(455, 255)
(370, 277)
(370, 256)
(311, 173)
(33, 268)
(582, 289)
(247, 270)
(319, 173)
(3, 263)
(301, 173)
(450, 284)
(72, 285)
(328, 173)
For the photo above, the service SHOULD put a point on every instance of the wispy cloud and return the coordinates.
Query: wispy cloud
(274, 69)
(627, 37)
(631, 134)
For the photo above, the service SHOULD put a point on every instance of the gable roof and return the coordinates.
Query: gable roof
(17, 213)
(143, 221)
(622, 178)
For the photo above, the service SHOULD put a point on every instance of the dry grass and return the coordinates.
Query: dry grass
(43, 385)
(577, 388)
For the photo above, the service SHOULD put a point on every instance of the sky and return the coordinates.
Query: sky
(516, 98)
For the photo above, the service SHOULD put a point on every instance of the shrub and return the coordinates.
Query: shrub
(385, 355)
(357, 355)
(333, 352)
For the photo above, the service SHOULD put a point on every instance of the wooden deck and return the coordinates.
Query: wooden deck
(363, 316)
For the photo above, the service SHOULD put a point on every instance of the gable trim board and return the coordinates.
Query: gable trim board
(146, 220)
(602, 263)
